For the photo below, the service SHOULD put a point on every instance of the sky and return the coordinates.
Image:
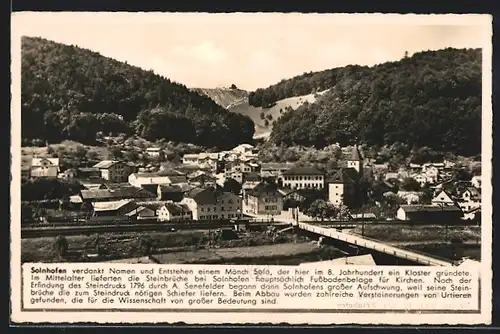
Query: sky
(251, 50)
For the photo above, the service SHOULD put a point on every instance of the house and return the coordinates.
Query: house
(40, 167)
(250, 180)
(303, 177)
(202, 179)
(163, 177)
(243, 149)
(103, 195)
(209, 161)
(429, 213)
(118, 208)
(238, 167)
(173, 193)
(476, 181)
(292, 194)
(209, 204)
(190, 159)
(174, 212)
(154, 152)
(148, 209)
(443, 198)
(114, 170)
(469, 199)
(263, 199)
(431, 172)
(89, 173)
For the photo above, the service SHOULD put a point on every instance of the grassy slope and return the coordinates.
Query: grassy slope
(236, 100)
(67, 145)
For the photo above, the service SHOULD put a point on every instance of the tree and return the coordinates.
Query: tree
(233, 86)
(410, 184)
(71, 93)
(60, 246)
(322, 210)
(232, 186)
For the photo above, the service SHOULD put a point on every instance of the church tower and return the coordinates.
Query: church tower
(356, 160)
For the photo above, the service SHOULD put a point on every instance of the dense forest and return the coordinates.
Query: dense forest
(431, 99)
(72, 93)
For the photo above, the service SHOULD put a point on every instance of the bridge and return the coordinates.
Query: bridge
(397, 255)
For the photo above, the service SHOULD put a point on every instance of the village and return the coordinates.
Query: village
(235, 185)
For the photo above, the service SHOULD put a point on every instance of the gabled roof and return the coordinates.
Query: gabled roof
(251, 176)
(105, 163)
(176, 208)
(345, 176)
(151, 187)
(355, 154)
(111, 205)
(207, 196)
(201, 196)
(170, 189)
(303, 171)
(35, 162)
(263, 188)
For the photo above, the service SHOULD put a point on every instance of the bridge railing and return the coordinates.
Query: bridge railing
(375, 245)
(410, 250)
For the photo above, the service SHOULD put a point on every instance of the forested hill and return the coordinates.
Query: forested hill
(72, 93)
(431, 99)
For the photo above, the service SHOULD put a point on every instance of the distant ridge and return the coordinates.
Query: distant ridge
(70, 93)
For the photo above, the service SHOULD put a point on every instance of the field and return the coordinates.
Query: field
(110, 246)
(68, 147)
(238, 254)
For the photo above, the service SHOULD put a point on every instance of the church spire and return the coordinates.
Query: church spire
(355, 155)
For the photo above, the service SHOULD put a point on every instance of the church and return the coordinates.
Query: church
(343, 186)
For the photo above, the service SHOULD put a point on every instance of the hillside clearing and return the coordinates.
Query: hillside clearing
(276, 111)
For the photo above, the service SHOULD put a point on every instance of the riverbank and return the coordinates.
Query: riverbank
(186, 245)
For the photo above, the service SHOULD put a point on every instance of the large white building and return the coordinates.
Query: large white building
(208, 204)
(303, 178)
(166, 177)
